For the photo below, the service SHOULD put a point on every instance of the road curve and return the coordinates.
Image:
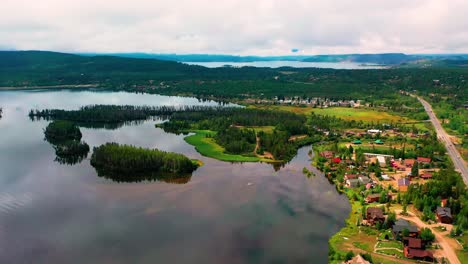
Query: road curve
(458, 162)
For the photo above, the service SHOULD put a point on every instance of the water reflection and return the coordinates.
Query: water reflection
(70, 152)
(223, 213)
(146, 177)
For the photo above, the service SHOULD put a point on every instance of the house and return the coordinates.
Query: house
(327, 154)
(443, 202)
(409, 163)
(378, 142)
(372, 198)
(364, 180)
(424, 160)
(413, 242)
(402, 224)
(421, 254)
(374, 215)
(426, 176)
(385, 177)
(444, 215)
(403, 184)
(374, 131)
(357, 260)
(336, 160)
(382, 161)
(350, 176)
(352, 183)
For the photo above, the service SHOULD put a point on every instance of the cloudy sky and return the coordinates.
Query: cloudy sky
(244, 27)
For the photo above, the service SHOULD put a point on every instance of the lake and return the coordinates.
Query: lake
(225, 213)
(294, 64)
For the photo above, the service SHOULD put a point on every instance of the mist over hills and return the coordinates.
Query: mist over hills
(380, 58)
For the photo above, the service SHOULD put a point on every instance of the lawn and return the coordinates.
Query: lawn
(392, 252)
(209, 148)
(346, 113)
(463, 254)
(390, 244)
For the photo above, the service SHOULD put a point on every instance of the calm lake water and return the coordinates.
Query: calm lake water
(294, 64)
(225, 213)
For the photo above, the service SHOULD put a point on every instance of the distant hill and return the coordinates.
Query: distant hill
(383, 58)
(32, 68)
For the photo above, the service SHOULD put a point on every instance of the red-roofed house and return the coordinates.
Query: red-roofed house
(350, 176)
(409, 163)
(415, 253)
(413, 242)
(424, 160)
(327, 154)
(336, 160)
(426, 176)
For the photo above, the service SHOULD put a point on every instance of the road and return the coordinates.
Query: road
(447, 249)
(458, 162)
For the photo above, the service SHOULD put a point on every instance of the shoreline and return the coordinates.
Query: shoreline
(65, 86)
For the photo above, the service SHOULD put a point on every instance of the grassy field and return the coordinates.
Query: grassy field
(346, 113)
(390, 244)
(392, 252)
(209, 148)
(463, 254)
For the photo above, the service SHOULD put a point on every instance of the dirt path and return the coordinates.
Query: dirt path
(447, 248)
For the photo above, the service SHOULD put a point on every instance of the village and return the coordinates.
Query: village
(380, 171)
(306, 101)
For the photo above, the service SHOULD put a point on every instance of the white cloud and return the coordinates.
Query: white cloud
(236, 26)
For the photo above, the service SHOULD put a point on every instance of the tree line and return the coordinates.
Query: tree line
(115, 159)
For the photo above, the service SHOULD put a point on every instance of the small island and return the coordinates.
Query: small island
(65, 137)
(120, 161)
(60, 131)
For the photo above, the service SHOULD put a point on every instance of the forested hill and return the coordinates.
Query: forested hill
(38, 68)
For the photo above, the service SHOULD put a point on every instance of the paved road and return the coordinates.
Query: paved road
(458, 161)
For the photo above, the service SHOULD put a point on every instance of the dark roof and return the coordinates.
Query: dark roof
(402, 224)
(443, 211)
(403, 182)
(374, 195)
(414, 242)
(419, 253)
(375, 212)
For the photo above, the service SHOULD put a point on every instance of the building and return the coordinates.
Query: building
(374, 215)
(350, 176)
(352, 183)
(413, 242)
(374, 131)
(382, 161)
(444, 215)
(372, 198)
(426, 176)
(402, 224)
(357, 260)
(336, 160)
(364, 180)
(421, 254)
(424, 160)
(403, 184)
(409, 163)
(385, 177)
(327, 154)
